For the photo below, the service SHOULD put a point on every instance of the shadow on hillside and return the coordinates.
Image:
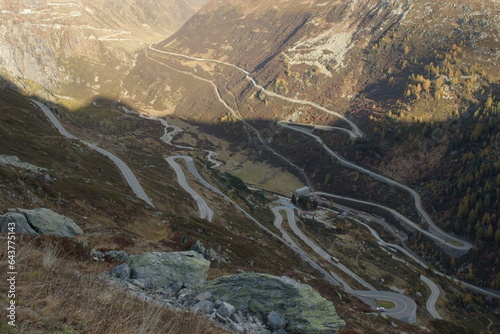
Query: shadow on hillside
(438, 187)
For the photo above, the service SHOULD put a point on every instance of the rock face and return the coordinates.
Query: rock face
(122, 271)
(50, 42)
(162, 269)
(110, 256)
(208, 253)
(21, 224)
(40, 221)
(46, 221)
(278, 300)
(244, 303)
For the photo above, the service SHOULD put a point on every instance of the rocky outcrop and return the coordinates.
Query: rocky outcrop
(281, 301)
(49, 43)
(20, 222)
(159, 269)
(244, 303)
(39, 222)
(109, 256)
(46, 221)
(208, 253)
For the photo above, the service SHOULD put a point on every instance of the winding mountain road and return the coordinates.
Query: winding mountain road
(431, 302)
(461, 247)
(450, 240)
(356, 132)
(441, 236)
(238, 117)
(204, 210)
(127, 173)
(405, 308)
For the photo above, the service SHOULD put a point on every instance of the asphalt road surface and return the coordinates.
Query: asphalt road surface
(127, 173)
(405, 308)
(204, 210)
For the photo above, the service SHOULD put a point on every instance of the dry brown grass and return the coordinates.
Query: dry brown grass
(58, 294)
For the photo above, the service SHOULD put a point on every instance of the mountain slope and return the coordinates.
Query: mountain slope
(81, 48)
(420, 79)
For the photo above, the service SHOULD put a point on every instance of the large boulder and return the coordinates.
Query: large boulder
(20, 222)
(39, 221)
(46, 221)
(162, 269)
(303, 308)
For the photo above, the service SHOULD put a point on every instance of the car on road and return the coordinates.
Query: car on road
(381, 309)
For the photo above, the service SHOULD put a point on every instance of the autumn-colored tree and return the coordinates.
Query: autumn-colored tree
(497, 235)
(489, 232)
(426, 85)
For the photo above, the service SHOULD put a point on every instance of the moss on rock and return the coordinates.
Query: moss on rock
(303, 308)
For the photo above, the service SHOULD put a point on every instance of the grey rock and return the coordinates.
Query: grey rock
(117, 255)
(303, 308)
(237, 328)
(275, 321)
(220, 318)
(46, 221)
(204, 306)
(176, 286)
(204, 296)
(133, 287)
(162, 268)
(211, 254)
(20, 221)
(236, 317)
(198, 247)
(122, 271)
(256, 320)
(97, 255)
(280, 331)
(138, 283)
(226, 310)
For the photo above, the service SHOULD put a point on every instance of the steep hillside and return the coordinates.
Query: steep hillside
(81, 48)
(406, 90)
(420, 79)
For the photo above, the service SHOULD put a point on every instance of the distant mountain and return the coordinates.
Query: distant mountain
(419, 78)
(81, 48)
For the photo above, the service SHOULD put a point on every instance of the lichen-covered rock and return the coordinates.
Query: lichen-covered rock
(121, 272)
(40, 221)
(20, 222)
(226, 310)
(161, 269)
(109, 256)
(303, 308)
(275, 321)
(46, 221)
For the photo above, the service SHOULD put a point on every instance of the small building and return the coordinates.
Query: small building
(305, 191)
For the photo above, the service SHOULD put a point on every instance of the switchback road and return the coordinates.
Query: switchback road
(450, 240)
(127, 173)
(405, 308)
(204, 210)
